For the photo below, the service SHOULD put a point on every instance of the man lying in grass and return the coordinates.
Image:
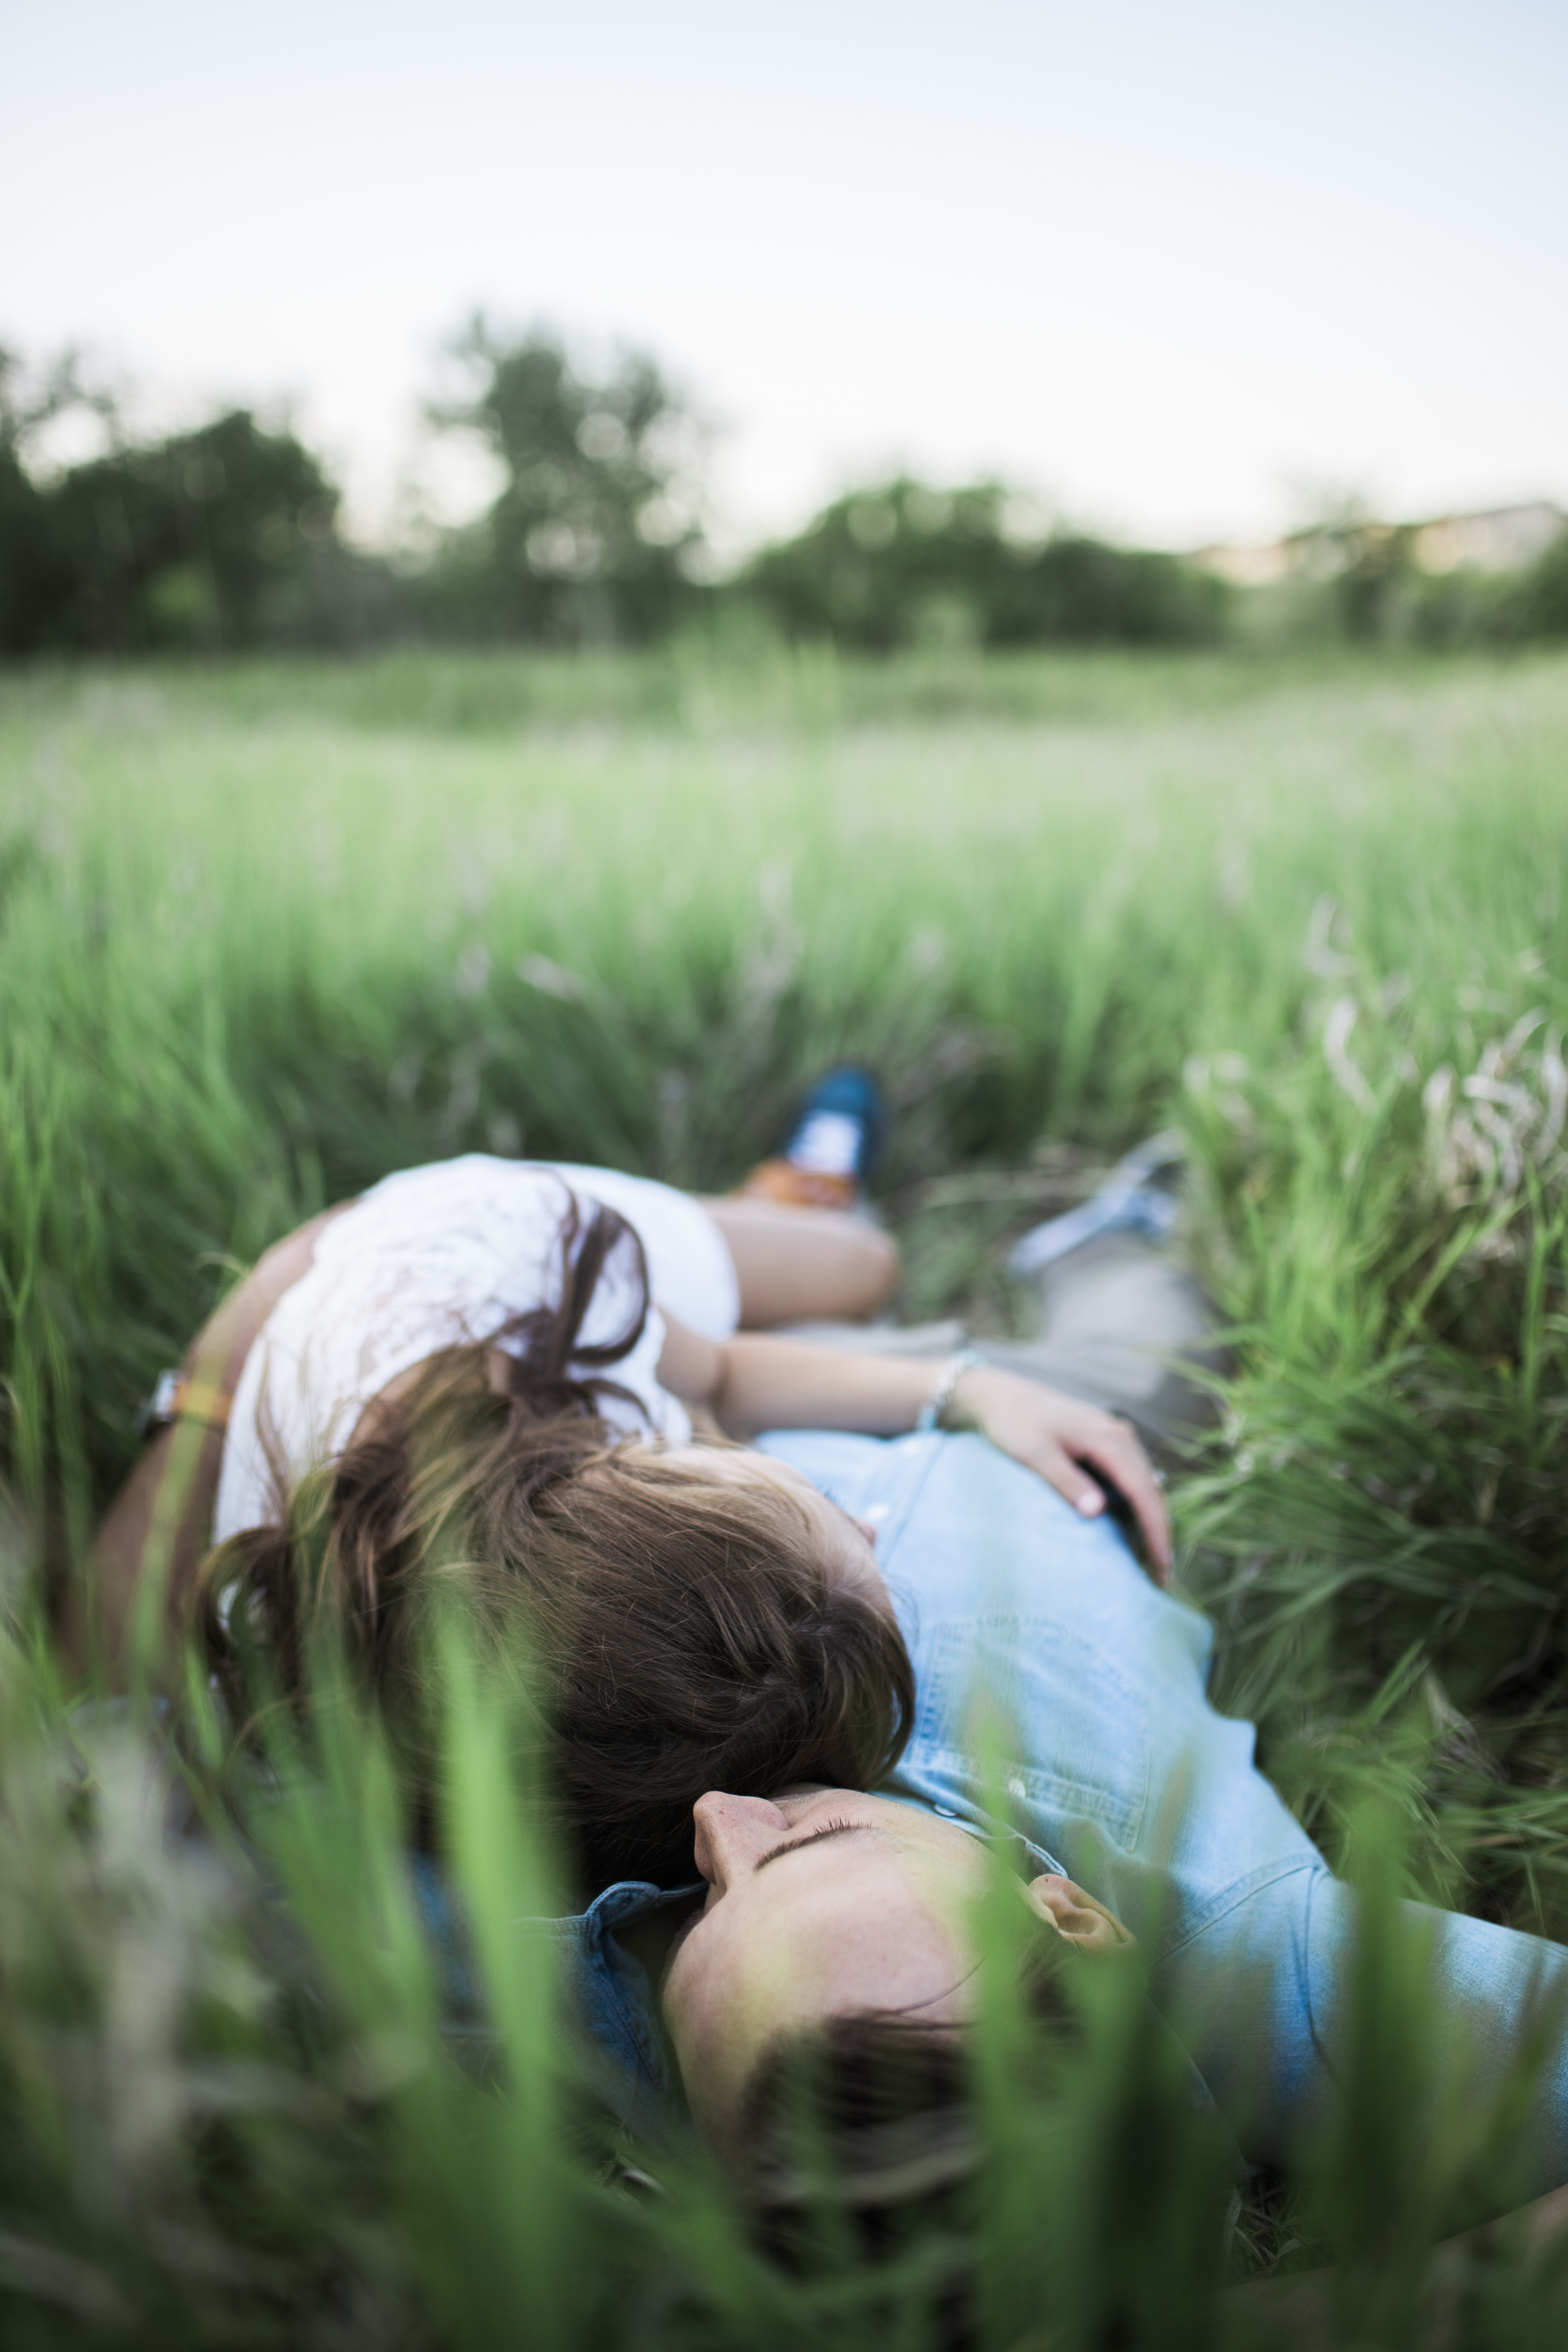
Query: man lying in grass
(1035, 1635)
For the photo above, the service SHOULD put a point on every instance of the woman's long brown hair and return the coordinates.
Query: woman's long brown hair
(658, 1631)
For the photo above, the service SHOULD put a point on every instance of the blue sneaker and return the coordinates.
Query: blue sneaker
(834, 1141)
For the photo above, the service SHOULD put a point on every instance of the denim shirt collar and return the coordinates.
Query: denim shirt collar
(609, 2013)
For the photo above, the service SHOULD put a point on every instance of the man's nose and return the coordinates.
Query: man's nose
(732, 1831)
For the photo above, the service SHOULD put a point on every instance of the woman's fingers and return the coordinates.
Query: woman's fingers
(1066, 1443)
(1058, 1469)
(1112, 1447)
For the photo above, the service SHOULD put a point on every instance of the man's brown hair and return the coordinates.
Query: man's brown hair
(872, 2115)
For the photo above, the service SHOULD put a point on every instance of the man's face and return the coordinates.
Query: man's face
(823, 1902)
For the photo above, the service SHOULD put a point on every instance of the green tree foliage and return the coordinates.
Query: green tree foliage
(905, 564)
(1538, 607)
(203, 540)
(34, 575)
(593, 537)
(218, 539)
(30, 577)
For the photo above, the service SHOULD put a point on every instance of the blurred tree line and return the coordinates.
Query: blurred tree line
(217, 540)
(905, 564)
(228, 538)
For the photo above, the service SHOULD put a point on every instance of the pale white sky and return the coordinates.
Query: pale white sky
(1175, 266)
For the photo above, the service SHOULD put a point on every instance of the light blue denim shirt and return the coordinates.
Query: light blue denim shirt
(1039, 1629)
(1021, 1615)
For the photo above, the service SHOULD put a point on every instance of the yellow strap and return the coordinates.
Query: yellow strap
(200, 1400)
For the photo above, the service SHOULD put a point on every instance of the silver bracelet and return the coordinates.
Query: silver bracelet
(929, 1415)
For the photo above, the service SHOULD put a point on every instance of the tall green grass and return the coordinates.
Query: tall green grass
(265, 934)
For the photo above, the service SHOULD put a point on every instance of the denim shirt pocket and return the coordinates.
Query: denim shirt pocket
(1074, 1728)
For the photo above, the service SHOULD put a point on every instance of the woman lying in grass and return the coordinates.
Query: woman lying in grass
(449, 1361)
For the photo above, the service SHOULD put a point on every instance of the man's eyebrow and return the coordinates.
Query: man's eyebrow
(834, 1829)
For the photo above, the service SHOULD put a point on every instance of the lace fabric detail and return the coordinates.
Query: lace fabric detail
(442, 1256)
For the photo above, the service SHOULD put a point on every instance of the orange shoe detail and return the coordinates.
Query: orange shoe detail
(789, 1187)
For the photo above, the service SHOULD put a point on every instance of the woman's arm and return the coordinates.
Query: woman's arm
(751, 1382)
(170, 1493)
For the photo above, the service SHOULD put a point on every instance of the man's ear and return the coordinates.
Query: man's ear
(1077, 1917)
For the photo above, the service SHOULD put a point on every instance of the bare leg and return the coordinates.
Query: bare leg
(802, 1266)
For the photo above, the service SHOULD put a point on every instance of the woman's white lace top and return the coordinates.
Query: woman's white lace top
(438, 1257)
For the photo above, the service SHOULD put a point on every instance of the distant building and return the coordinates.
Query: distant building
(1504, 539)
(1250, 567)
(1499, 539)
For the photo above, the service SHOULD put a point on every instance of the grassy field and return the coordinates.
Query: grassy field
(267, 933)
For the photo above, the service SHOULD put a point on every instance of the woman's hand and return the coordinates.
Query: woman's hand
(1056, 1436)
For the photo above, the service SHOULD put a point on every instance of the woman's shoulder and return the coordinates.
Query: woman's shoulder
(611, 1186)
(475, 1179)
(474, 1204)
(468, 1172)
(479, 1174)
